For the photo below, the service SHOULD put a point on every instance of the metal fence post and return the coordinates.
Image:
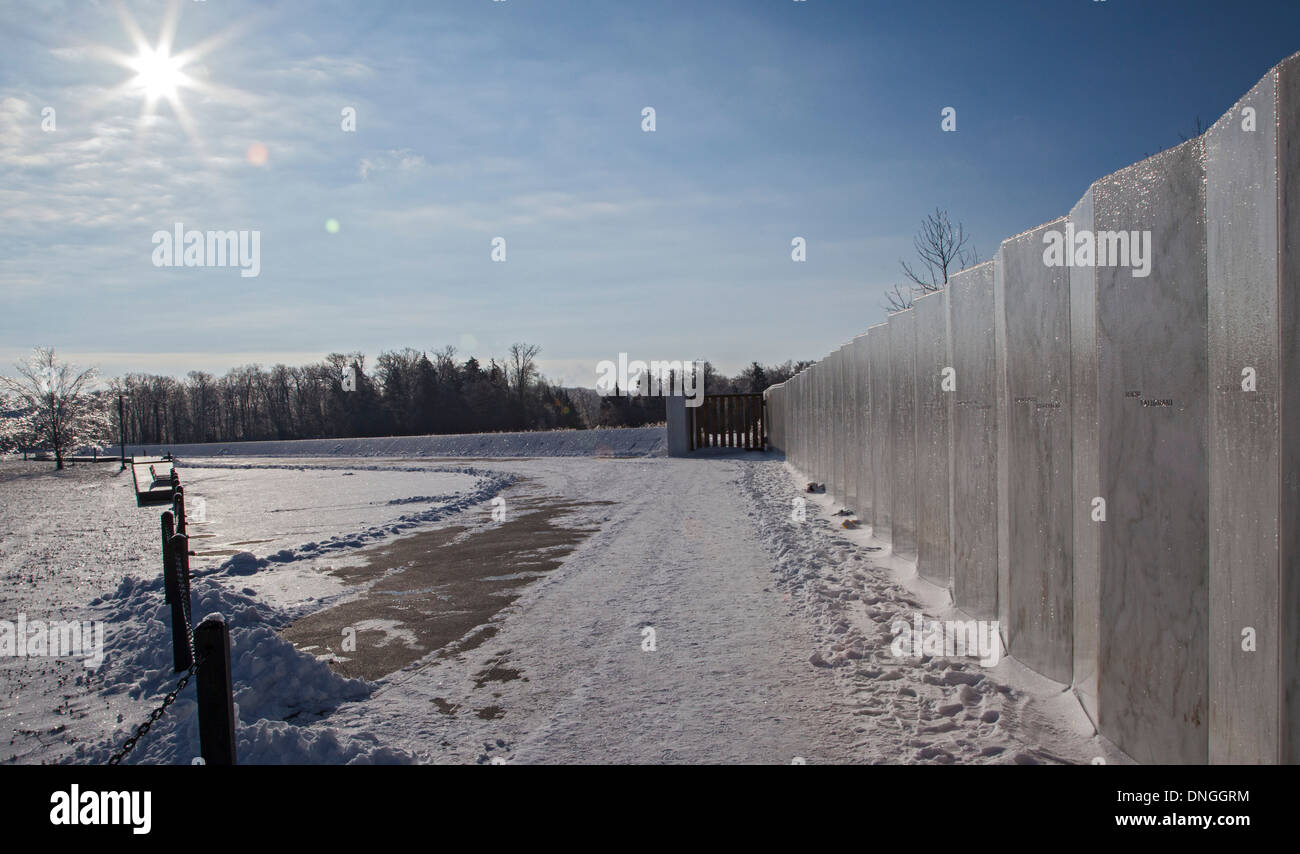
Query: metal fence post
(216, 694)
(168, 531)
(178, 502)
(178, 595)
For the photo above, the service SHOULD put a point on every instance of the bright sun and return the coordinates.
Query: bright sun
(161, 73)
(157, 73)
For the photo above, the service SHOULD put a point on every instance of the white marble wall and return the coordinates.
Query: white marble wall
(1251, 180)
(879, 445)
(902, 432)
(864, 494)
(1152, 564)
(1038, 501)
(974, 432)
(843, 434)
(1086, 390)
(933, 526)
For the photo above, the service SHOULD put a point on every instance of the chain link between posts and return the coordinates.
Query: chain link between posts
(142, 729)
(157, 713)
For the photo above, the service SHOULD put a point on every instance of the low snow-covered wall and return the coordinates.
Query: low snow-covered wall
(1111, 467)
(614, 441)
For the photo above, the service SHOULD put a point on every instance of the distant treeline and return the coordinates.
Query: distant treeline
(404, 393)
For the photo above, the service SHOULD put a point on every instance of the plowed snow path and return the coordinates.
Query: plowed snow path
(740, 601)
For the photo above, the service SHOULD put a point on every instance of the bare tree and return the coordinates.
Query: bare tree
(898, 299)
(943, 249)
(445, 361)
(522, 367)
(57, 404)
(1197, 130)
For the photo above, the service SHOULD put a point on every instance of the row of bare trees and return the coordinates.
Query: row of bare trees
(50, 404)
(406, 392)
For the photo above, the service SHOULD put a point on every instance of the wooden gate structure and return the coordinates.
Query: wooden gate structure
(729, 421)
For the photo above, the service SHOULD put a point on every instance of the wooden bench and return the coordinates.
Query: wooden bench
(155, 481)
(161, 479)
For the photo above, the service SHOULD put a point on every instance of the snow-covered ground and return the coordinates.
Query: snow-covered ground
(604, 441)
(688, 618)
(73, 546)
(304, 512)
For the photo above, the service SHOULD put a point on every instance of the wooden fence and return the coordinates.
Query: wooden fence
(729, 421)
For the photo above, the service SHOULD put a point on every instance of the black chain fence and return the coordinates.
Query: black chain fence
(192, 651)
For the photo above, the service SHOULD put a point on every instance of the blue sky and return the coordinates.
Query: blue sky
(522, 119)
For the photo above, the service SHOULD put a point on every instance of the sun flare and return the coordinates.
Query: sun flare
(158, 73)
(162, 74)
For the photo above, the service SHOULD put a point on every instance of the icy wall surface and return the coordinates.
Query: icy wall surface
(1120, 446)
